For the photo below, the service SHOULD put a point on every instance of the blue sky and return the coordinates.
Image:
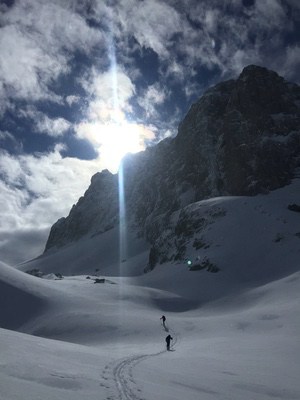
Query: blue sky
(82, 81)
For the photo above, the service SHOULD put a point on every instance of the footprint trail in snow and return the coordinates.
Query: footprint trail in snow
(123, 385)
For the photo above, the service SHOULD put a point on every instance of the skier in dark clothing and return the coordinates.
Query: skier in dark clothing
(168, 340)
(163, 318)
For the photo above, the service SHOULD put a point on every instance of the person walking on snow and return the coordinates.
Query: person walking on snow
(168, 340)
(163, 318)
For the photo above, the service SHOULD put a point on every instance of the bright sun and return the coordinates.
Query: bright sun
(107, 127)
(114, 140)
(118, 140)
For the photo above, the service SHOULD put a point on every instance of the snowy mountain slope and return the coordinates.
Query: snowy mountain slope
(90, 255)
(251, 240)
(236, 331)
(245, 348)
(246, 352)
(22, 297)
(35, 368)
(73, 309)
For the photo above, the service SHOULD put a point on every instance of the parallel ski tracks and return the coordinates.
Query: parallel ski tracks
(120, 373)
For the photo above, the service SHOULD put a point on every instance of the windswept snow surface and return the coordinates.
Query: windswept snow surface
(235, 333)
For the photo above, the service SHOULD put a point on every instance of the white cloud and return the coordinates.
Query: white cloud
(270, 14)
(176, 70)
(37, 41)
(154, 95)
(239, 58)
(110, 93)
(32, 184)
(211, 20)
(230, 36)
(72, 99)
(23, 63)
(54, 127)
(55, 25)
(151, 22)
(5, 135)
(166, 134)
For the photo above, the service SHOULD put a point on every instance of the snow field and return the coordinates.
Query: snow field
(236, 332)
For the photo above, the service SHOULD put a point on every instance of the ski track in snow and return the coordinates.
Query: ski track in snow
(121, 373)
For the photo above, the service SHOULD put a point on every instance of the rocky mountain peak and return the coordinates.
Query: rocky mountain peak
(242, 137)
(252, 71)
(259, 92)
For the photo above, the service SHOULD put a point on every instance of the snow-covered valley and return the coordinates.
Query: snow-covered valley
(235, 332)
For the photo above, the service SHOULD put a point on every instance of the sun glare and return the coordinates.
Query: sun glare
(107, 127)
(113, 140)
(118, 140)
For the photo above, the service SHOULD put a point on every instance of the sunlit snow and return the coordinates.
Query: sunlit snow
(235, 332)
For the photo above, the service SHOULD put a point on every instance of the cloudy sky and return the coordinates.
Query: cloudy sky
(84, 81)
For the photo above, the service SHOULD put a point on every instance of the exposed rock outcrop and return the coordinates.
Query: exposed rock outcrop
(241, 138)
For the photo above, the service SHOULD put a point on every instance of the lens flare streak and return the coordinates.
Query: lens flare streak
(122, 216)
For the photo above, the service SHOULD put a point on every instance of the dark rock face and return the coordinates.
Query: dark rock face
(244, 135)
(95, 212)
(241, 138)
